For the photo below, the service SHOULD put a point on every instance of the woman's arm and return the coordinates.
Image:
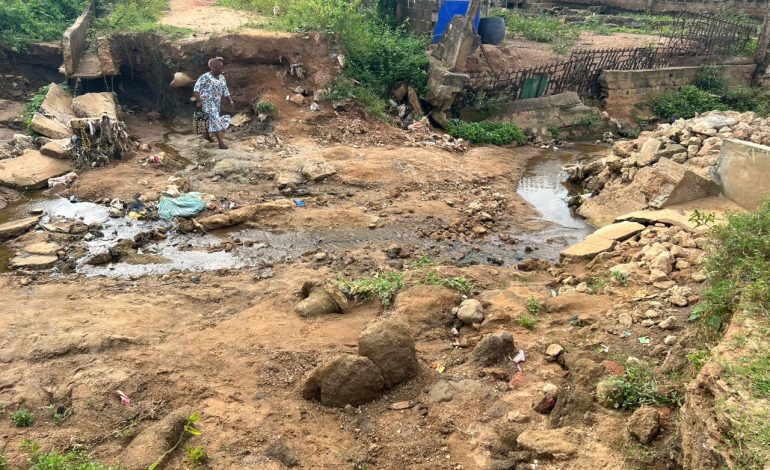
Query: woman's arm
(198, 101)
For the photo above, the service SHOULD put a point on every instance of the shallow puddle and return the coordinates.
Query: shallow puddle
(544, 186)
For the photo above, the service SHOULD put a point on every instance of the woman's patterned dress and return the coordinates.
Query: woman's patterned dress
(212, 89)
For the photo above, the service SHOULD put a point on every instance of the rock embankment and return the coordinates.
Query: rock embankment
(671, 165)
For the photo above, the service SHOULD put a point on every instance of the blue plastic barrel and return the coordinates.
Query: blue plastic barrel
(450, 8)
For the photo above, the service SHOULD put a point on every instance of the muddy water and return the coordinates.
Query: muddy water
(544, 186)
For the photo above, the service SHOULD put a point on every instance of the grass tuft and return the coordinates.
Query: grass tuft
(383, 286)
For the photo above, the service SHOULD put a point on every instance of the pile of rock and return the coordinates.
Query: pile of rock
(670, 165)
(386, 357)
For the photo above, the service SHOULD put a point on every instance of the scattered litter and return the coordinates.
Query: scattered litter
(153, 160)
(554, 293)
(402, 405)
(626, 333)
(62, 182)
(186, 205)
(604, 348)
(124, 398)
(454, 331)
(438, 367)
(519, 358)
(239, 120)
(298, 202)
(644, 340)
(314, 107)
(136, 210)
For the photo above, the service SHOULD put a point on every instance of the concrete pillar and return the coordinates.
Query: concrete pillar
(762, 56)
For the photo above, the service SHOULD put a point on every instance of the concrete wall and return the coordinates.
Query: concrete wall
(75, 40)
(755, 8)
(422, 14)
(626, 92)
(743, 172)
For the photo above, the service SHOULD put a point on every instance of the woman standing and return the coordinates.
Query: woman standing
(209, 90)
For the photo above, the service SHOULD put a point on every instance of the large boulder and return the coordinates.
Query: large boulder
(494, 348)
(95, 105)
(470, 311)
(672, 183)
(389, 344)
(31, 170)
(321, 298)
(346, 380)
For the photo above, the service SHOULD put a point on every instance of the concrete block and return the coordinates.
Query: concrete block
(743, 172)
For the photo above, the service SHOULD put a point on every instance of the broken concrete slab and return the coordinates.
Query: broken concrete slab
(648, 154)
(95, 105)
(33, 262)
(60, 148)
(49, 127)
(55, 113)
(17, 227)
(42, 248)
(675, 184)
(742, 172)
(591, 246)
(680, 219)
(31, 170)
(619, 231)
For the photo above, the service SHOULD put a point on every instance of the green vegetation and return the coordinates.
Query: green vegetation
(26, 21)
(135, 15)
(597, 283)
(639, 386)
(421, 262)
(738, 268)
(497, 133)
(197, 454)
(685, 103)
(383, 286)
(188, 430)
(620, 278)
(542, 29)
(710, 92)
(533, 305)
(22, 418)
(749, 433)
(527, 321)
(33, 104)
(458, 283)
(60, 413)
(3, 461)
(379, 56)
(265, 107)
(702, 218)
(55, 460)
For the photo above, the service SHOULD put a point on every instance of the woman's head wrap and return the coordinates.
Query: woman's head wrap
(214, 60)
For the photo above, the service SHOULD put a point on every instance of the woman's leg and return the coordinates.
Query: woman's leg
(221, 139)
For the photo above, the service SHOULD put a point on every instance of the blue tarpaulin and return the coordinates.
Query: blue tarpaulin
(186, 205)
(450, 8)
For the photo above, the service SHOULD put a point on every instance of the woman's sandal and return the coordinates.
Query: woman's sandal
(223, 146)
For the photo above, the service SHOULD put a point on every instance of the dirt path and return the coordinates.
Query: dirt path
(203, 17)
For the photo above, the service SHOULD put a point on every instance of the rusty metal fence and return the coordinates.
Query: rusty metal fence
(692, 34)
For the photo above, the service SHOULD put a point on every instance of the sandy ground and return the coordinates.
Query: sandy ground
(203, 17)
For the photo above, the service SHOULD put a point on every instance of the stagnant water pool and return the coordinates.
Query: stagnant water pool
(542, 185)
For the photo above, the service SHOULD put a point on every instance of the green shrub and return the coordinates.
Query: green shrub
(711, 78)
(33, 104)
(738, 267)
(136, 15)
(527, 321)
(383, 286)
(685, 103)
(262, 6)
(534, 28)
(26, 21)
(748, 99)
(498, 133)
(265, 107)
(533, 305)
(640, 386)
(55, 460)
(458, 283)
(22, 418)
(3, 461)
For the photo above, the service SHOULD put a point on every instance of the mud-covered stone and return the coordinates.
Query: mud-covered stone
(494, 348)
(558, 443)
(470, 311)
(346, 380)
(389, 344)
(155, 440)
(17, 227)
(95, 105)
(644, 424)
